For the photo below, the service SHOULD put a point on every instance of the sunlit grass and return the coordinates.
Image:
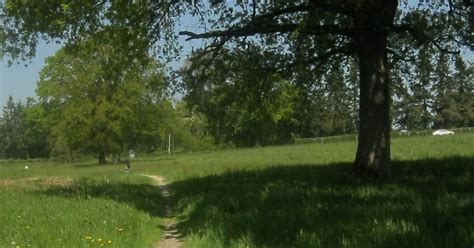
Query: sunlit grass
(201, 164)
(111, 212)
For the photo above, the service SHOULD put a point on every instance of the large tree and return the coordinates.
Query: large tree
(98, 104)
(365, 29)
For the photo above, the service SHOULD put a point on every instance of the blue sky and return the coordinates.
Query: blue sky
(19, 80)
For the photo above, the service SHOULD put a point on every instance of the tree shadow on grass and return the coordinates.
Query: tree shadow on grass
(428, 203)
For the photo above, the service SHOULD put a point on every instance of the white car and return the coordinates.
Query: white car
(442, 132)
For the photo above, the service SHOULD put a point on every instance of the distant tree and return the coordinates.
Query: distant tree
(307, 112)
(12, 130)
(421, 101)
(190, 129)
(401, 98)
(352, 82)
(245, 99)
(338, 102)
(37, 130)
(101, 102)
(445, 106)
(463, 81)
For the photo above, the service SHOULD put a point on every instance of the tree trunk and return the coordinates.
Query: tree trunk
(373, 150)
(101, 158)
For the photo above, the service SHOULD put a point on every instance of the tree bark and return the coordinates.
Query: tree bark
(101, 157)
(373, 150)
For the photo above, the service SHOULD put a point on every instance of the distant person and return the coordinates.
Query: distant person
(128, 167)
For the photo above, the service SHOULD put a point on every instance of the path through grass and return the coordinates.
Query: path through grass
(171, 237)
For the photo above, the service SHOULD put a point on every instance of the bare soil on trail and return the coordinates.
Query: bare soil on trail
(171, 236)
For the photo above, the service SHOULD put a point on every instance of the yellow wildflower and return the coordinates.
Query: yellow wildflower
(88, 237)
(99, 240)
(110, 242)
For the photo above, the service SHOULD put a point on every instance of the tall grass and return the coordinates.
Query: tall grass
(110, 212)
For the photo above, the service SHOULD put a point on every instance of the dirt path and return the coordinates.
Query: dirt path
(171, 235)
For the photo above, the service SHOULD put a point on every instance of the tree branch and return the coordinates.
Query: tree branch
(346, 50)
(267, 24)
(287, 10)
(422, 38)
(267, 28)
(399, 57)
(341, 8)
(213, 50)
(247, 30)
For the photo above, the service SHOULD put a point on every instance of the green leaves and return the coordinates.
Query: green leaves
(100, 101)
(12, 130)
(244, 99)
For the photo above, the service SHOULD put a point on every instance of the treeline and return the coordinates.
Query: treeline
(253, 97)
(29, 131)
(439, 93)
(91, 100)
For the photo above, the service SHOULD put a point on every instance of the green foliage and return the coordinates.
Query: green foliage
(447, 114)
(98, 102)
(417, 112)
(338, 117)
(13, 131)
(24, 131)
(190, 129)
(246, 102)
(432, 95)
(111, 22)
(464, 87)
(37, 131)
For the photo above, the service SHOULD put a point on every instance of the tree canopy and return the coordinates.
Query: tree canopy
(98, 103)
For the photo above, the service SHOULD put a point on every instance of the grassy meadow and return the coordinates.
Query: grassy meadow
(282, 196)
